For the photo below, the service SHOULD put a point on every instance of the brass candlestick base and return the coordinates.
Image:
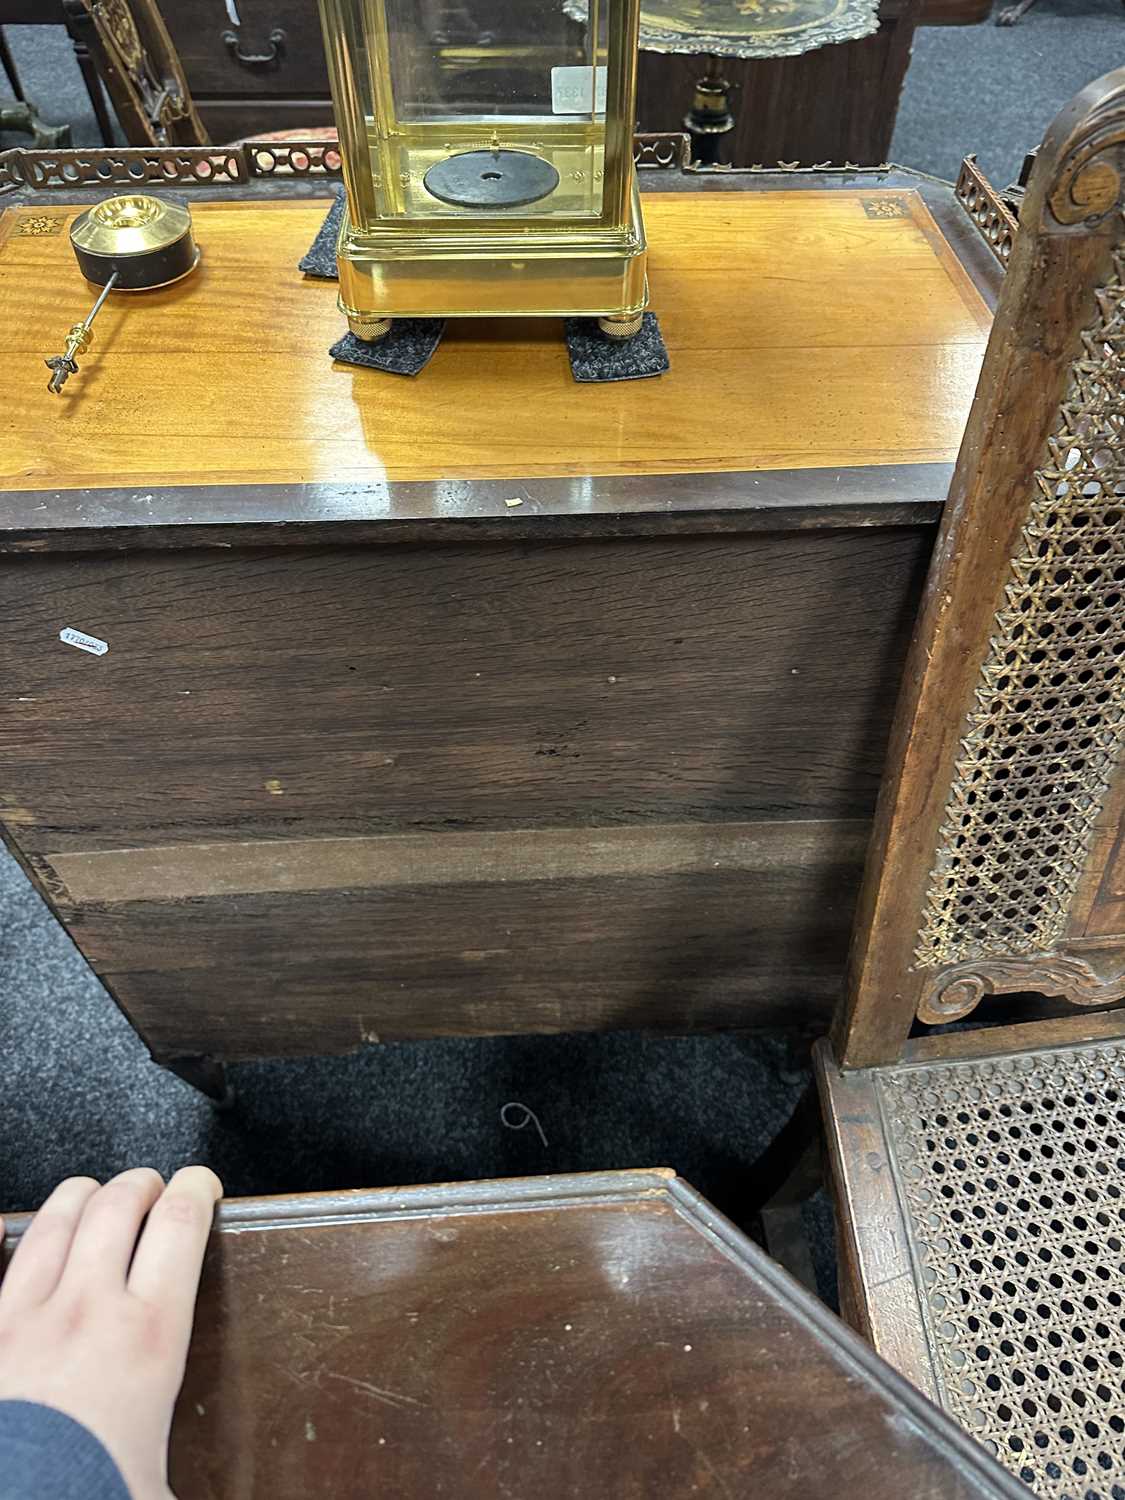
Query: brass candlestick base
(145, 242)
(709, 119)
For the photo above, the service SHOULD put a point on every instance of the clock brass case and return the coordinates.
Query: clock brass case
(487, 157)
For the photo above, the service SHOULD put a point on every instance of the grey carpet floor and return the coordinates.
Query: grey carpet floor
(77, 1090)
(994, 90)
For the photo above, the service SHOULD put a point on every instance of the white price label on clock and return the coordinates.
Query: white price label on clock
(573, 91)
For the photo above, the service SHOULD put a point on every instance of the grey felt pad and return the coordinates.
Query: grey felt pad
(405, 350)
(595, 357)
(320, 258)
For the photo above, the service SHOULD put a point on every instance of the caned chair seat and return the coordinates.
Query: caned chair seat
(983, 1200)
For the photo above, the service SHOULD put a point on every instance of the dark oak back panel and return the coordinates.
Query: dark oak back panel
(332, 757)
(488, 701)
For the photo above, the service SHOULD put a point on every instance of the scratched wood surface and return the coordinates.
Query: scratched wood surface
(739, 947)
(788, 349)
(491, 788)
(604, 1335)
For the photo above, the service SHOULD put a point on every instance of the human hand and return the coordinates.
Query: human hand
(95, 1321)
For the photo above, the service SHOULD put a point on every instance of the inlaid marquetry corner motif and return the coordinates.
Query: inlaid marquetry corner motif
(885, 208)
(1047, 724)
(1009, 1172)
(38, 224)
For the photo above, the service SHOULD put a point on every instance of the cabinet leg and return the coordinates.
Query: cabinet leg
(23, 116)
(10, 69)
(788, 1173)
(1010, 15)
(205, 1074)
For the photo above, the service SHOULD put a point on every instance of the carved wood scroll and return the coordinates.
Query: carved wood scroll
(955, 993)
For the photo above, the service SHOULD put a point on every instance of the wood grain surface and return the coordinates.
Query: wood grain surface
(606, 759)
(806, 330)
(605, 1335)
(492, 788)
(549, 510)
(359, 691)
(1071, 1029)
(270, 974)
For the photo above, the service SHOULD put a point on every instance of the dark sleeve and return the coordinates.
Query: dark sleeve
(45, 1455)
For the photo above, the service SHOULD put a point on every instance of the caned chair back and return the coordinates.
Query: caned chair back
(996, 864)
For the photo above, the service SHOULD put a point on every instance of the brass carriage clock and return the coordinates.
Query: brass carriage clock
(488, 159)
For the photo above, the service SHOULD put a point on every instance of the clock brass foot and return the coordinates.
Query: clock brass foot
(621, 325)
(370, 330)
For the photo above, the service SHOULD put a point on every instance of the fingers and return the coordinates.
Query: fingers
(42, 1253)
(86, 1236)
(106, 1235)
(169, 1257)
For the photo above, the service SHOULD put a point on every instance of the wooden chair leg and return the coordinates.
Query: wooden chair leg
(94, 90)
(80, 28)
(9, 66)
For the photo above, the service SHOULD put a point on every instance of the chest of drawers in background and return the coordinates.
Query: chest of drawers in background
(836, 104)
